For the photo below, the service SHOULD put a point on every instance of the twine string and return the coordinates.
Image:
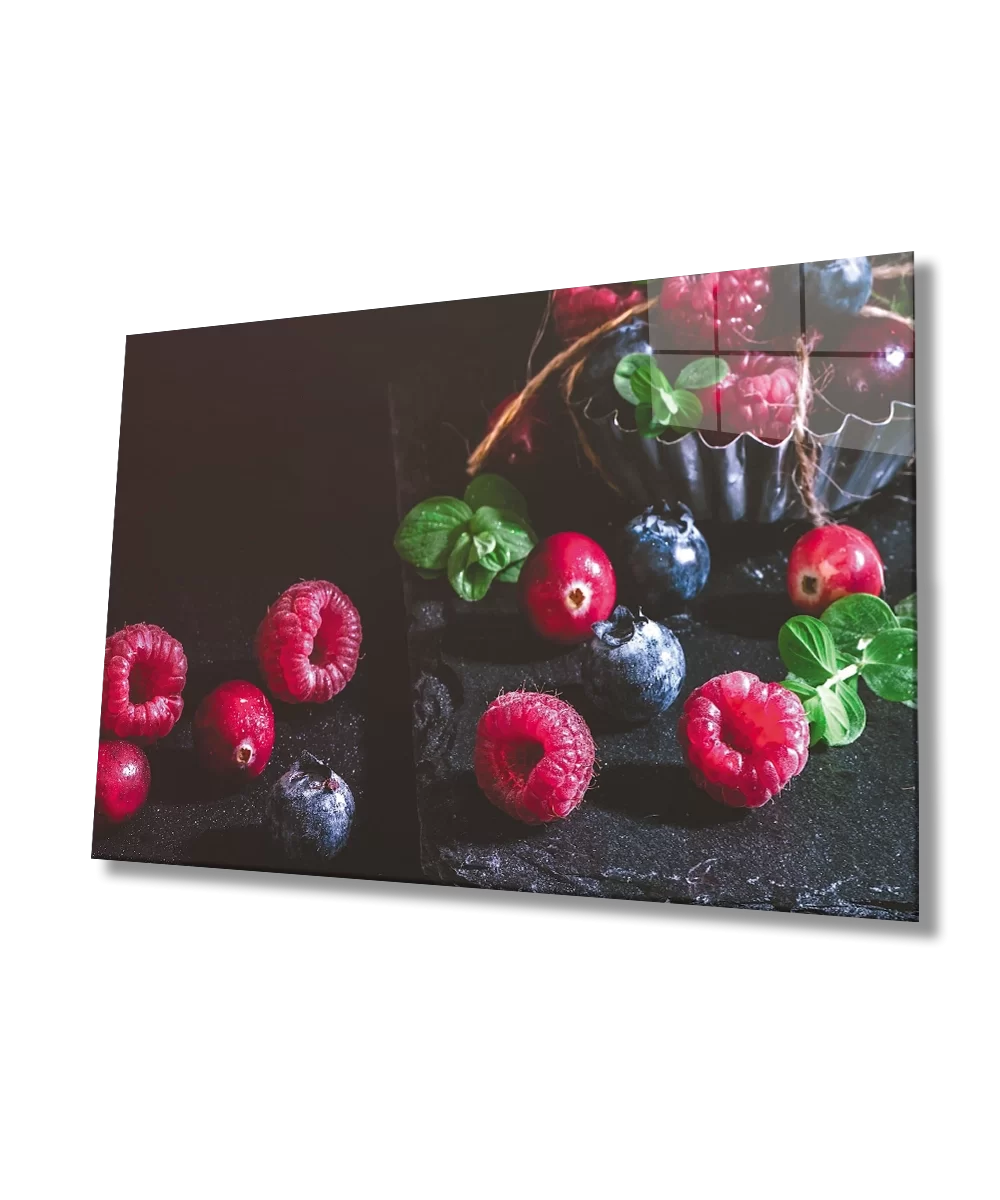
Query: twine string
(568, 384)
(565, 358)
(806, 446)
(570, 360)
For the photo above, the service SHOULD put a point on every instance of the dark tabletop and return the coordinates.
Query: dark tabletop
(842, 838)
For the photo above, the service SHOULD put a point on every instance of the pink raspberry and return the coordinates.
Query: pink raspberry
(534, 756)
(144, 674)
(732, 304)
(308, 644)
(760, 404)
(577, 311)
(743, 739)
(758, 397)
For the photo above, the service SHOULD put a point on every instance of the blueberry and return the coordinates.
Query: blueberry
(597, 375)
(841, 285)
(666, 558)
(310, 810)
(632, 667)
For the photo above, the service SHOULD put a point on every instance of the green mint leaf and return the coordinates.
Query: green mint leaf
(852, 680)
(854, 620)
(512, 573)
(636, 378)
(428, 574)
(889, 665)
(632, 378)
(646, 422)
(657, 378)
(807, 650)
(689, 411)
(470, 579)
(906, 610)
(663, 407)
(495, 492)
(845, 714)
(497, 559)
(702, 373)
(484, 519)
(514, 533)
(427, 533)
(813, 705)
(482, 544)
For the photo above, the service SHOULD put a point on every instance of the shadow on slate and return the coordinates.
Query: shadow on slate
(840, 840)
(746, 614)
(661, 795)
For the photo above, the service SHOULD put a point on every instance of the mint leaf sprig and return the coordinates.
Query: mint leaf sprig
(658, 405)
(858, 637)
(483, 537)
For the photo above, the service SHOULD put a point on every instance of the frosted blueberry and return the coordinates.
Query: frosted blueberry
(310, 811)
(666, 558)
(842, 285)
(633, 667)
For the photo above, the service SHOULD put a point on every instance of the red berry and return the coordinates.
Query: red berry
(577, 311)
(732, 304)
(833, 561)
(122, 779)
(534, 756)
(874, 363)
(520, 440)
(566, 585)
(308, 643)
(758, 397)
(743, 739)
(763, 405)
(234, 730)
(144, 675)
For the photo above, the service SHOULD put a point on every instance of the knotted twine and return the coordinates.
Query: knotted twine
(570, 361)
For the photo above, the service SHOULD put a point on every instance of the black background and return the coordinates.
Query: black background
(252, 456)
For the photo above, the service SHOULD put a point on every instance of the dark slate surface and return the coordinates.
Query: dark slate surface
(253, 456)
(191, 818)
(841, 839)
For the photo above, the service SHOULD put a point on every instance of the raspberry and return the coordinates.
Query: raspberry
(577, 311)
(762, 404)
(308, 643)
(758, 397)
(732, 305)
(743, 739)
(144, 675)
(534, 756)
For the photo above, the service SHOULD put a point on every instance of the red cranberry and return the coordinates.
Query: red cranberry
(830, 562)
(234, 730)
(122, 779)
(566, 585)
